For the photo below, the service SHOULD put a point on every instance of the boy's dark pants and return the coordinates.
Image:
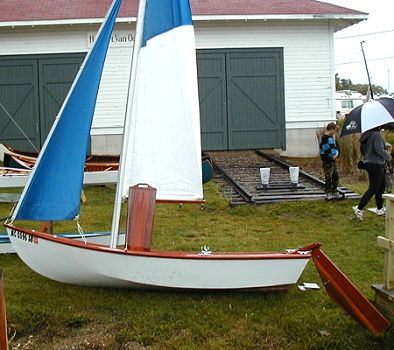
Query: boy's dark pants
(331, 177)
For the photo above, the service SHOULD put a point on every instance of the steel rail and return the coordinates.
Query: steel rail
(287, 165)
(246, 196)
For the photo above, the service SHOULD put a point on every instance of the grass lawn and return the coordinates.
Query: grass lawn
(43, 314)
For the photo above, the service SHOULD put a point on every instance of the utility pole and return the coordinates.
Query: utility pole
(366, 67)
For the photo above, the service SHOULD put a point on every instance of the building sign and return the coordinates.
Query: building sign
(118, 39)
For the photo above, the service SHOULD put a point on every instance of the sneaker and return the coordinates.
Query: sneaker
(381, 212)
(337, 195)
(359, 213)
(329, 196)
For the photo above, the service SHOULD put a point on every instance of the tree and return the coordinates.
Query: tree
(337, 82)
(346, 84)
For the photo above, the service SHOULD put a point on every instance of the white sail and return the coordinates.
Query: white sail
(164, 147)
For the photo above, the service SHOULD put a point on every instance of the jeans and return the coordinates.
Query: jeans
(331, 177)
(376, 187)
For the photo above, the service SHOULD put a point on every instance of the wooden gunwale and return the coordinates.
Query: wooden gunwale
(163, 254)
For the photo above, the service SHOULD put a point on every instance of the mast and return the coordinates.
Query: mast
(123, 155)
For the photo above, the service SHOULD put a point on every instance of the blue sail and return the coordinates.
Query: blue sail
(54, 189)
(164, 15)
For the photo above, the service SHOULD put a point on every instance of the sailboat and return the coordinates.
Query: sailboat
(160, 162)
(99, 169)
(17, 165)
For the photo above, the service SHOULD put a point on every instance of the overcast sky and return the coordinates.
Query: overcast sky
(378, 36)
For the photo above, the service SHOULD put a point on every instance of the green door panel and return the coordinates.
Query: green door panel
(212, 95)
(32, 90)
(19, 102)
(56, 78)
(255, 100)
(241, 98)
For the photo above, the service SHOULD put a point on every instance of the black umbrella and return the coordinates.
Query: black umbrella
(368, 116)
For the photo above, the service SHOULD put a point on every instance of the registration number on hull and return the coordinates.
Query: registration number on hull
(24, 236)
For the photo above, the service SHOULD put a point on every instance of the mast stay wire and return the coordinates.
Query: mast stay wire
(17, 125)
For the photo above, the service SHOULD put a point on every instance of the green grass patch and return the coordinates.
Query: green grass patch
(44, 314)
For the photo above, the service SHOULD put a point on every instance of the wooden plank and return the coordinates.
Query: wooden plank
(242, 167)
(46, 226)
(389, 215)
(3, 316)
(383, 242)
(384, 298)
(387, 243)
(284, 186)
(347, 296)
(9, 197)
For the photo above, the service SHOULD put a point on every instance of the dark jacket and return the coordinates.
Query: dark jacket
(373, 148)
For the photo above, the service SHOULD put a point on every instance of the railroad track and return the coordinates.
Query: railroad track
(238, 174)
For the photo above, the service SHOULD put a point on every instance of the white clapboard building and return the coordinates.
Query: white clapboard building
(265, 69)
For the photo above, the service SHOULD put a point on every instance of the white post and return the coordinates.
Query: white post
(388, 243)
(133, 74)
(265, 176)
(294, 172)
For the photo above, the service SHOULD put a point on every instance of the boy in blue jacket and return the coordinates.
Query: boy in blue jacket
(329, 152)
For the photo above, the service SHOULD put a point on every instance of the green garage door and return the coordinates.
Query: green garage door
(241, 98)
(32, 89)
(19, 101)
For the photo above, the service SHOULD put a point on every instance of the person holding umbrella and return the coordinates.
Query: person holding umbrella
(367, 119)
(368, 116)
(373, 150)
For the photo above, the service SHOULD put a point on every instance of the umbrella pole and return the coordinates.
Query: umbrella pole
(366, 67)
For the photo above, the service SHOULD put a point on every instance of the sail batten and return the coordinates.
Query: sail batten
(54, 188)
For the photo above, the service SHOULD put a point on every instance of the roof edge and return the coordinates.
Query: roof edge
(279, 17)
(219, 18)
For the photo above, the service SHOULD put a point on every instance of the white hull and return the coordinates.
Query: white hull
(103, 238)
(9, 180)
(72, 262)
(3, 150)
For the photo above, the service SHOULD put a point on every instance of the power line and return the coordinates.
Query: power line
(371, 59)
(348, 56)
(365, 34)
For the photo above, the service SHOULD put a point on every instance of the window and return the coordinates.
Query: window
(347, 104)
